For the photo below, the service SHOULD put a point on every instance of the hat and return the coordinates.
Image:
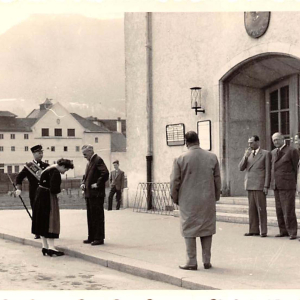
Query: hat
(116, 162)
(36, 148)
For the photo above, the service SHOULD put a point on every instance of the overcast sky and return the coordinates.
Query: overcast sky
(15, 11)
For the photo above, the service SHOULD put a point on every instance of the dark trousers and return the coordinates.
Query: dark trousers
(191, 249)
(257, 212)
(285, 211)
(95, 218)
(112, 192)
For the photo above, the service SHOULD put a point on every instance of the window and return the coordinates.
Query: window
(1, 136)
(9, 169)
(96, 140)
(17, 169)
(45, 131)
(12, 136)
(13, 148)
(26, 136)
(71, 132)
(280, 112)
(57, 132)
(26, 148)
(65, 148)
(1, 148)
(77, 148)
(53, 148)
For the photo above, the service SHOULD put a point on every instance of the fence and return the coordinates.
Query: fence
(152, 197)
(70, 185)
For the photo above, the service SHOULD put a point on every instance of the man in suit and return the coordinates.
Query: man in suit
(116, 181)
(195, 186)
(93, 185)
(32, 171)
(257, 163)
(283, 181)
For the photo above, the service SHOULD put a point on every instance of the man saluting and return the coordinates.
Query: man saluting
(32, 170)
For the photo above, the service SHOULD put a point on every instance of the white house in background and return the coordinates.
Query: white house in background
(118, 139)
(61, 134)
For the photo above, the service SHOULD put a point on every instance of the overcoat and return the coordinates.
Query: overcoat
(195, 185)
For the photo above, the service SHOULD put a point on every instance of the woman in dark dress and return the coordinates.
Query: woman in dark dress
(45, 218)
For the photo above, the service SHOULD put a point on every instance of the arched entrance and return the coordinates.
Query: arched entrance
(259, 95)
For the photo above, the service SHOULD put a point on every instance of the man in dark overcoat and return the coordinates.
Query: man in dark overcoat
(283, 181)
(93, 185)
(196, 186)
(32, 171)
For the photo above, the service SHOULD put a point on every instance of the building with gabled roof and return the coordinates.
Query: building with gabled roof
(6, 114)
(60, 132)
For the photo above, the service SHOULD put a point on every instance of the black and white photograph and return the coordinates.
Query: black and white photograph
(149, 149)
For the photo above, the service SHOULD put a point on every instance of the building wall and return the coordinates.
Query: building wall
(135, 81)
(19, 156)
(187, 53)
(73, 144)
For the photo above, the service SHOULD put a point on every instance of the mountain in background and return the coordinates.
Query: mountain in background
(72, 59)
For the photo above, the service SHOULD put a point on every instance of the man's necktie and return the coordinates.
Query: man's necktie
(253, 153)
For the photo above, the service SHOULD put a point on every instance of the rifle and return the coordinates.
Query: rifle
(19, 196)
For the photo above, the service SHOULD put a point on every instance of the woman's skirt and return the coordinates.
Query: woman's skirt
(46, 218)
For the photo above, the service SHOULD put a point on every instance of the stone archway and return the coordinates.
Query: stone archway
(242, 85)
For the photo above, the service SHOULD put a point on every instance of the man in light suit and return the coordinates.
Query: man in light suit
(257, 163)
(116, 181)
(195, 186)
(93, 185)
(283, 181)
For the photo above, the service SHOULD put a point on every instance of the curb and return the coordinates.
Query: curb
(164, 275)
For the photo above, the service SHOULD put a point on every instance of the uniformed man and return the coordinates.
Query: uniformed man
(32, 170)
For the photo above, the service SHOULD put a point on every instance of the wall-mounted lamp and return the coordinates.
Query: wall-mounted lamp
(196, 100)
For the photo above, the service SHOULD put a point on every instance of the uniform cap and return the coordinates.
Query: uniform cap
(36, 148)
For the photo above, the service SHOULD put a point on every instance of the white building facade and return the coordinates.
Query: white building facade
(248, 67)
(61, 134)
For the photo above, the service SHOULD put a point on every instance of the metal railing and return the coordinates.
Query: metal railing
(154, 197)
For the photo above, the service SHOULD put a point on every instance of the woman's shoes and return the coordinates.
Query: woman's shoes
(44, 251)
(51, 252)
(55, 252)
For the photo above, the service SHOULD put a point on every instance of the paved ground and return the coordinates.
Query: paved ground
(150, 246)
(23, 267)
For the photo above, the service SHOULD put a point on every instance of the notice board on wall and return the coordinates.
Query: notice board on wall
(204, 134)
(175, 134)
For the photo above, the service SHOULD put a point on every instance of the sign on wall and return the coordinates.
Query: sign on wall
(204, 134)
(175, 134)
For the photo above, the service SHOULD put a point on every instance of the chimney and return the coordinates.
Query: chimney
(119, 125)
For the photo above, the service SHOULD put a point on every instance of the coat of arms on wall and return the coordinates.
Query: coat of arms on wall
(256, 23)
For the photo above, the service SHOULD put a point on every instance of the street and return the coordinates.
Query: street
(24, 267)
